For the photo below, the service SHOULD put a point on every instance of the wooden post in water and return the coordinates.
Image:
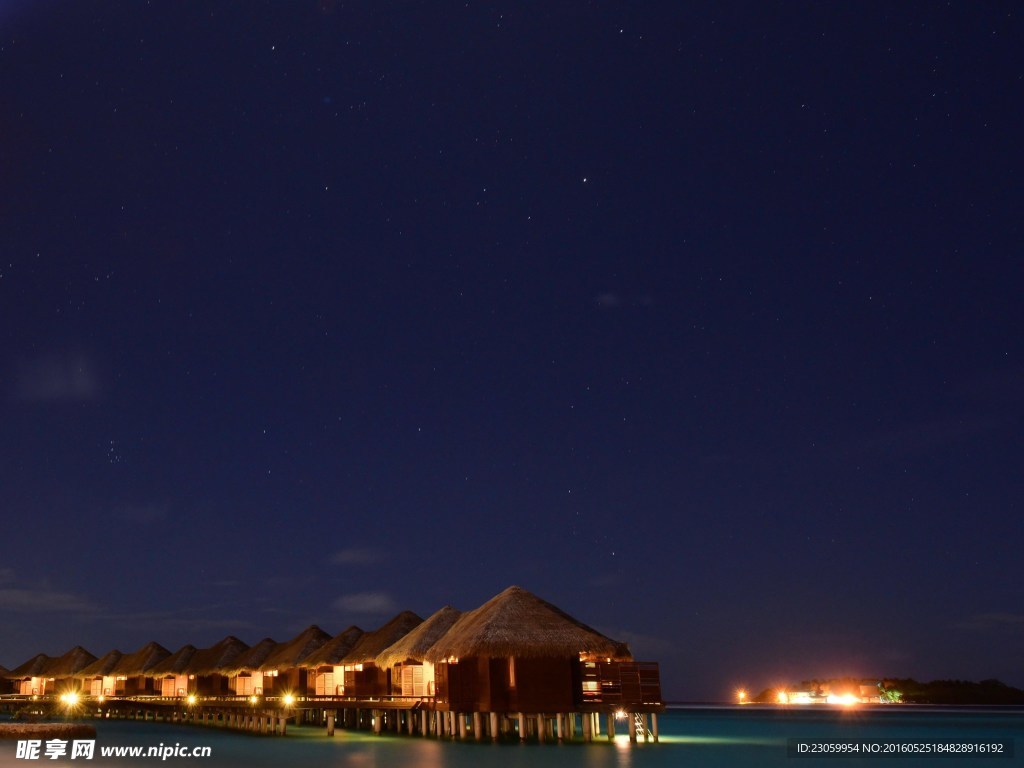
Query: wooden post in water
(541, 727)
(478, 727)
(522, 727)
(588, 726)
(330, 723)
(631, 727)
(611, 726)
(654, 726)
(494, 725)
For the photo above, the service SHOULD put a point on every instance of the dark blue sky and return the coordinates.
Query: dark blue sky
(701, 321)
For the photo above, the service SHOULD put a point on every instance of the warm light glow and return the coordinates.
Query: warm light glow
(101, 698)
(620, 714)
(288, 699)
(191, 699)
(783, 697)
(846, 699)
(253, 699)
(742, 696)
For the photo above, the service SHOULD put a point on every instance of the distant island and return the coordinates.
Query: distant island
(889, 690)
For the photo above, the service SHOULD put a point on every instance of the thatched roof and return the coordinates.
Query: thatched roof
(32, 668)
(103, 665)
(372, 643)
(251, 660)
(174, 664)
(140, 662)
(416, 643)
(216, 658)
(69, 663)
(518, 623)
(291, 653)
(334, 650)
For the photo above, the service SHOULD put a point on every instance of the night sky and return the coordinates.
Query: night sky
(700, 320)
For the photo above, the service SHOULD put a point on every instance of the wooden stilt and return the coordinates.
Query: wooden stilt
(560, 726)
(330, 723)
(631, 726)
(494, 725)
(541, 728)
(522, 727)
(588, 727)
(478, 727)
(611, 726)
(654, 726)
(462, 725)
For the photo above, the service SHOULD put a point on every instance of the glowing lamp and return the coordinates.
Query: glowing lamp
(191, 699)
(288, 699)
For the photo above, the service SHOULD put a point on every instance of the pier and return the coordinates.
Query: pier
(514, 669)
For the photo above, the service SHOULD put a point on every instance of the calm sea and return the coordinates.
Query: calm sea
(699, 736)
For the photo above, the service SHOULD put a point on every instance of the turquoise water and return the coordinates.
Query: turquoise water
(726, 736)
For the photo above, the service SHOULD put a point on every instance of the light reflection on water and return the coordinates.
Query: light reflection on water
(695, 737)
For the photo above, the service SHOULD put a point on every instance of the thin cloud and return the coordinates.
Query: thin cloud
(22, 600)
(55, 378)
(930, 436)
(142, 514)
(356, 556)
(366, 602)
(994, 622)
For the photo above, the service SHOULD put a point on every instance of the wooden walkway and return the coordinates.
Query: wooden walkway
(414, 716)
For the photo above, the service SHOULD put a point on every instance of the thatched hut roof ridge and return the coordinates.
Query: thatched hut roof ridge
(372, 643)
(252, 659)
(174, 664)
(291, 653)
(140, 661)
(415, 644)
(223, 653)
(518, 623)
(31, 668)
(334, 650)
(103, 665)
(69, 663)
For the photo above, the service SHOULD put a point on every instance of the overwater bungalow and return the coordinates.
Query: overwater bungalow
(282, 670)
(27, 678)
(169, 676)
(98, 677)
(244, 671)
(363, 678)
(408, 670)
(6, 686)
(62, 672)
(520, 654)
(131, 672)
(325, 676)
(206, 669)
